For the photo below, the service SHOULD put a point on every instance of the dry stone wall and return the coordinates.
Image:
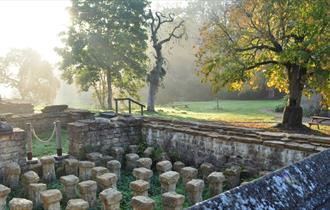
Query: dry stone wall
(12, 149)
(224, 145)
(45, 121)
(197, 142)
(304, 185)
(102, 134)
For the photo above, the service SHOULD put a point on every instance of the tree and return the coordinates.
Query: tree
(33, 78)
(287, 40)
(158, 72)
(105, 47)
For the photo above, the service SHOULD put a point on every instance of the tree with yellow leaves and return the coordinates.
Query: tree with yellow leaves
(287, 40)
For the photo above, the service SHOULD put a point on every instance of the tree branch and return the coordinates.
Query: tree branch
(172, 34)
(256, 47)
(261, 64)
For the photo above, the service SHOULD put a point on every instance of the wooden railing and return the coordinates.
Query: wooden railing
(130, 101)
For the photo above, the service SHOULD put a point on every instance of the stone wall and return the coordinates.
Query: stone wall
(197, 142)
(45, 121)
(15, 108)
(304, 185)
(102, 134)
(224, 145)
(12, 149)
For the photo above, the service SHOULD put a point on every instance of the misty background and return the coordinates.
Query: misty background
(44, 20)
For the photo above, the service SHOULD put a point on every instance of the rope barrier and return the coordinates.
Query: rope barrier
(44, 141)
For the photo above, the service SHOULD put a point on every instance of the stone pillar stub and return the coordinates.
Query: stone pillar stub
(215, 181)
(20, 204)
(51, 199)
(142, 203)
(4, 192)
(163, 166)
(172, 201)
(48, 168)
(87, 191)
(110, 199)
(77, 204)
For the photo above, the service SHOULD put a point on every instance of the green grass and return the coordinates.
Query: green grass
(229, 110)
(40, 149)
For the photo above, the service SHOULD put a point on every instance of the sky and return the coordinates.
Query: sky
(36, 24)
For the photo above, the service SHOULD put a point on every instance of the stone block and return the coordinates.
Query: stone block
(206, 169)
(118, 153)
(172, 201)
(20, 204)
(98, 170)
(35, 190)
(178, 165)
(148, 152)
(110, 199)
(144, 162)
(48, 168)
(194, 190)
(87, 191)
(95, 157)
(69, 183)
(107, 180)
(133, 149)
(71, 167)
(131, 161)
(139, 187)
(163, 166)
(188, 173)
(114, 166)
(142, 203)
(233, 177)
(142, 173)
(12, 172)
(77, 204)
(51, 199)
(4, 191)
(105, 159)
(168, 181)
(85, 170)
(29, 178)
(215, 180)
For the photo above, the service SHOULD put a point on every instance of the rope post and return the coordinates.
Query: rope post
(116, 106)
(58, 138)
(29, 140)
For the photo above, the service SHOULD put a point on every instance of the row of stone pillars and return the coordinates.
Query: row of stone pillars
(58, 136)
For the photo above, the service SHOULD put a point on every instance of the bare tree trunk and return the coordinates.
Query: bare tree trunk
(293, 112)
(109, 81)
(153, 87)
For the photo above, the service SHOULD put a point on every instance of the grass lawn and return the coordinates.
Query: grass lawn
(229, 110)
(40, 149)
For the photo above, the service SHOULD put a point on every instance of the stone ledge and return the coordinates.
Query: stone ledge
(301, 142)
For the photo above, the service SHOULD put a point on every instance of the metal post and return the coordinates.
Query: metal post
(58, 138)
(116, 106)
(130, 106)
(29, 140)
